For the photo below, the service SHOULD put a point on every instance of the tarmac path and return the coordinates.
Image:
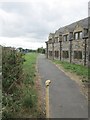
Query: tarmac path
(66, 100)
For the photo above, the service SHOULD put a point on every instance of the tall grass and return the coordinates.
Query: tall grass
(29, 92)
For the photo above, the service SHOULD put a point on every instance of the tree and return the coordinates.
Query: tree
(41, 50)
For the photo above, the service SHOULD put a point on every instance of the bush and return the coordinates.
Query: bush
(11, 67)
(12, 61)
(19, 94)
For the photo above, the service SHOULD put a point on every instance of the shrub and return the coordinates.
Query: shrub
(11, 78)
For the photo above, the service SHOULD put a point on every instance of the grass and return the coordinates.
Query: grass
(29, 67)
(30, 98)
(75, 68)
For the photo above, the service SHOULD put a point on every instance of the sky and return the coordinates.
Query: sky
(27, 24)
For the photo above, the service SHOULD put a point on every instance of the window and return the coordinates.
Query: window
(56, 39)
(50, 40)
(65, 54)
(65, 38)
(78, 35)
(56, 54)
(77, 54)
(50, 53)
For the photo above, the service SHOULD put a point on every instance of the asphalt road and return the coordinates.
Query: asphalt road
(66, 100)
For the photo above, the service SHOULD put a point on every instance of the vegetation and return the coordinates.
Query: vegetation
(31, 100)
(41, 50)
(29, 92)
(19, 95)
(11, 80)
(26, 50)
(78, 69)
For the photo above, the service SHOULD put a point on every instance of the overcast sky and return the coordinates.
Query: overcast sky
(28, 24)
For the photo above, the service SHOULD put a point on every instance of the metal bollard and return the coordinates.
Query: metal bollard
(47, 97)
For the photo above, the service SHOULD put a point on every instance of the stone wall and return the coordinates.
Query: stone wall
(73, 51)
(77, 45)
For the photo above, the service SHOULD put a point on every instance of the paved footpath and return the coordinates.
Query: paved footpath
(66, 100)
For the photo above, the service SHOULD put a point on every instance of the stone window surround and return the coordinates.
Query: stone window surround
(50, 40)
(79, 35)
(65, 53)
(56, 54)
(50, 53)
(65, 37)
(56, 39)
(77, 54)
(67, 34)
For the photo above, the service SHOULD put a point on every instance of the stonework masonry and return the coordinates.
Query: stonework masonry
(69, 43)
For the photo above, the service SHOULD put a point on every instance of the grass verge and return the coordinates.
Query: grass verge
(29, 94)
(78, 69)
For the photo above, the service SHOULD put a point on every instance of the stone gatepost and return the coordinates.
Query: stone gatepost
(46, 49)
(70, 39)
(60, 41)
(53, 50)
(53, 47)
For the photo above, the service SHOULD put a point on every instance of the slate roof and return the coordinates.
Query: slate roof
(71, 27)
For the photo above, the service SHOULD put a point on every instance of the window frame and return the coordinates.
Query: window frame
(65, 37)
(65, 54)
(77, 55)
(78, 35)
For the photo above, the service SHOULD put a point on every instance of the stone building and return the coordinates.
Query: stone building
(69, 43)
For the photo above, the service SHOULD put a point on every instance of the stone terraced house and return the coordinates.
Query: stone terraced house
(69, 43)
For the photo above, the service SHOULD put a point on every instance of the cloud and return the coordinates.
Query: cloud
(34, 20)
(21, 42)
